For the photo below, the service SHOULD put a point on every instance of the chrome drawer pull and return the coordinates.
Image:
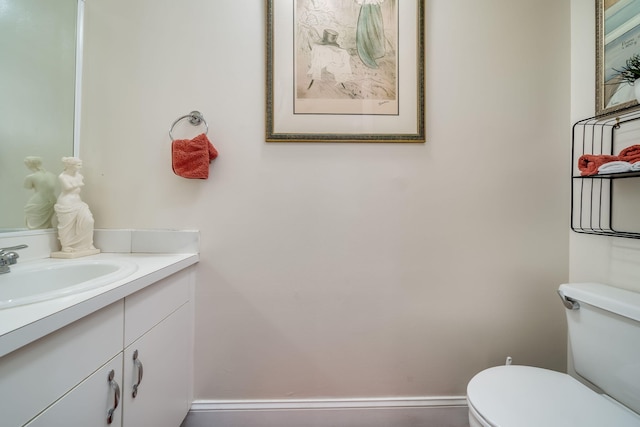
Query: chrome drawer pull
(116, 396)
(138, 365)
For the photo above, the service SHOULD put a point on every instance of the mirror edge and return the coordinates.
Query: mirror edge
(78, 95)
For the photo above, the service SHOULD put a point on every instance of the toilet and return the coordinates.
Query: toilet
(604, 333)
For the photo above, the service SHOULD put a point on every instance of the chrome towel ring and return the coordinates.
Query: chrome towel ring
(195, 118)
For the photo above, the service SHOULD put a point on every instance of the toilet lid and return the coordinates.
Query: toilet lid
(524, 396)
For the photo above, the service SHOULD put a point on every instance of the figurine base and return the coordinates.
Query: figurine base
(76, 254)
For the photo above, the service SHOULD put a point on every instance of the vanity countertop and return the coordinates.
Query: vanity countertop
(24, 324)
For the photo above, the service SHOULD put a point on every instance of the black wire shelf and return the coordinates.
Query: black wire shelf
(594, 197)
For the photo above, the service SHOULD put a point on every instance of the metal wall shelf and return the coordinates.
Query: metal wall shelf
(594, 197)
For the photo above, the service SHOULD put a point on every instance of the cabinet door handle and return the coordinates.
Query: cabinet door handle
(138, 364)
(116, 395)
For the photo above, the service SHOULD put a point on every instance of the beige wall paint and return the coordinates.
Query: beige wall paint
(346, 270)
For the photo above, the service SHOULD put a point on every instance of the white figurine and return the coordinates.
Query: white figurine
(75, 222)
(38, 212)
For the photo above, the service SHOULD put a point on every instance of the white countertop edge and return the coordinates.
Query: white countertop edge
(91, 301)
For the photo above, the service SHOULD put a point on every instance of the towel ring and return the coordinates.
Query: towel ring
(195, 118)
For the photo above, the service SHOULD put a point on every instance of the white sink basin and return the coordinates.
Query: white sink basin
(50, 279)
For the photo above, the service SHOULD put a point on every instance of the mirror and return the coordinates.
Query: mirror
(617, 40)
(40, 47)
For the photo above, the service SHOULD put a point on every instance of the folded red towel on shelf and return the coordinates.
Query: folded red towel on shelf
(589, 163)
(190, 158)
(630, 154)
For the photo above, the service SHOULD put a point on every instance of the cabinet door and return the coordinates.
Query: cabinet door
(146, 308)
(89, 403)
(37, 375)
(163, 392)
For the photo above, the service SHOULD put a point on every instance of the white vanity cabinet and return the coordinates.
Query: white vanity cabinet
(159, 332)
(91, 403)
(73, 377)
(49, 369)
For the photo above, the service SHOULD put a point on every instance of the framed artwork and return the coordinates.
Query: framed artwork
(345, 71)
(617, 40)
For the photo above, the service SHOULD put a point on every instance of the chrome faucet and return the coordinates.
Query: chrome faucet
(8, 257)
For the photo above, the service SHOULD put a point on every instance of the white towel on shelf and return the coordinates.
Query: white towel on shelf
(635, 167)
(617, 166)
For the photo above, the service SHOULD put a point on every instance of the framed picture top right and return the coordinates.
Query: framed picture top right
(617, 46)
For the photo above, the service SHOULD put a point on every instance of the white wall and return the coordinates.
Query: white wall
(344, 270)
(614, 261)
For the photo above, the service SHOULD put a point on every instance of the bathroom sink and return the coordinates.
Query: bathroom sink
(49, 279)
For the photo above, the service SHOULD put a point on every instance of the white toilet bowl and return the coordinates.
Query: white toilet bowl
(604, 332)
(523, 396)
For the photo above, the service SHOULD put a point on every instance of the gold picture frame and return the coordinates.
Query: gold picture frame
(617, 39)
(345, 71)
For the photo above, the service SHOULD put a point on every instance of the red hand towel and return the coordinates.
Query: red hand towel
(589, 163)
(190, 158)
(630, 154)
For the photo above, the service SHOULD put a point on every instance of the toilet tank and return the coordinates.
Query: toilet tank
(604, 332)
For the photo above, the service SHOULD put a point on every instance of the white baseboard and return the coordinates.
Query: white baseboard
(290, 404)
(441, 411)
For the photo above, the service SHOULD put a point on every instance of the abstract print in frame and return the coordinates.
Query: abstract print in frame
(345, 70)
